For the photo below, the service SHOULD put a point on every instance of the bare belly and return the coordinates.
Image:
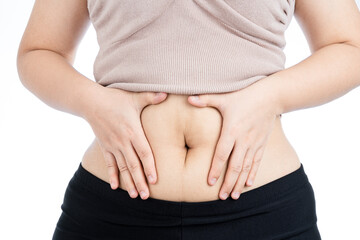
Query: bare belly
(182, 172)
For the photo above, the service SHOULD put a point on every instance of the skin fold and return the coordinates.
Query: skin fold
(332, 28)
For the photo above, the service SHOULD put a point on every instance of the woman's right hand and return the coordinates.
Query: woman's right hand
(114, 116)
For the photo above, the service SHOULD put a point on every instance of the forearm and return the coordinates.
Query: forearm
(53, 79)
(327, 74)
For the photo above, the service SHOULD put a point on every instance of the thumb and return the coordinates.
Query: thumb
(205, 100)
(147, 98)
(158, 97)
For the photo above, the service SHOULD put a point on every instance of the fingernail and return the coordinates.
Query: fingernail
(236, 195)
(150, 178)
(158, 94)
(224, 195)
(112, 183)
(212, 181)
(132, 192)
(142, 194)
(195, 98)
(250, 182)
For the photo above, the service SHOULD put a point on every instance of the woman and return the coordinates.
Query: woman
(229, 54)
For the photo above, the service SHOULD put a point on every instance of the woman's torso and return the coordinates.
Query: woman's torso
(182, 173)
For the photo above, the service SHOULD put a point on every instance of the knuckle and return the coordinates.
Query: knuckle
(259, 155)
(113, 138)
(234, 133)
(143, 154)
(134, 167)
(106, 153)
(234, 129)
(257, 160)
(115, 146)
(246, 168)
(118, 145)
(244, 145)
(221, 155)
(123, 168)
(129, 131)
(235, 169)
(109, 164)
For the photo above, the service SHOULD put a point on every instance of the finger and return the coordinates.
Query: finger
(134, 165)
(255, 166)
(195, 100)
(233, 170)
(125, 174)
(143, 99)
(209, 100)
(145, 154)
(112, 169)
(222, 152)
(127, 179)
(159, 97)
(243, 174)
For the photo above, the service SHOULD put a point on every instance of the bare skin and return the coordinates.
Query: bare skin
(182, 173)
(45, 58)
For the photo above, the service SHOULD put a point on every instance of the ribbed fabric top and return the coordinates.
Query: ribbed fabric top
(188, 46)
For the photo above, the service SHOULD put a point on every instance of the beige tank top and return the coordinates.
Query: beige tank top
(188, 46)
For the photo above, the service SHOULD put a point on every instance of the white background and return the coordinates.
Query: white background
(40, 147)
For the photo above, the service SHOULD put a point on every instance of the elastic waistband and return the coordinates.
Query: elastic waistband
(260, 196)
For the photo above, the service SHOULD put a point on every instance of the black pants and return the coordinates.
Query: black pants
(281, 209)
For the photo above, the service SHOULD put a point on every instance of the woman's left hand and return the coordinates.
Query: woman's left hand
(248, 118)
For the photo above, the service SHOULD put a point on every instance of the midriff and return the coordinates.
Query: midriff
(182, 173)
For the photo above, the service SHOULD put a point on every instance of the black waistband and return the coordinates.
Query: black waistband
(260, 196)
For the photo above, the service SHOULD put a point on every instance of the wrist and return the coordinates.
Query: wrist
(88, 98)
(270, 88)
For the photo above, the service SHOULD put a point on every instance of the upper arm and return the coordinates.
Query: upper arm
(326, 22)
(56, 25)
